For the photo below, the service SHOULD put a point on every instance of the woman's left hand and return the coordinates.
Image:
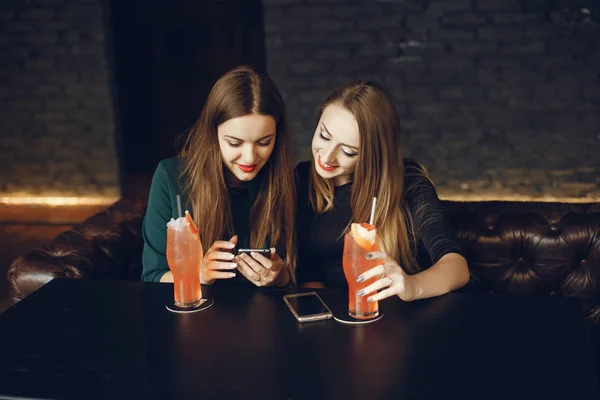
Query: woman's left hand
(393, 281)
(260, 270)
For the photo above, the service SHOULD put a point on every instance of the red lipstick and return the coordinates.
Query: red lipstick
(326, 167)
(247, 167)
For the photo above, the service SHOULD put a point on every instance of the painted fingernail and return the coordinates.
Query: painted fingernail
(360, 279)
(233, 265)
(253, 254)
(370, 300)
(360, 292)
(369, 255)
(230, 245)
(232, 275)
(230, 256)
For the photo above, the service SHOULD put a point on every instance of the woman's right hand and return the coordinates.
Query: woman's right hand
(217, 263)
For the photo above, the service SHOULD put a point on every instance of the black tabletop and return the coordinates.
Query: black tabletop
(114, 340)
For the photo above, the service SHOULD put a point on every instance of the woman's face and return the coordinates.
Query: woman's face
(335, 144)
(246, 144)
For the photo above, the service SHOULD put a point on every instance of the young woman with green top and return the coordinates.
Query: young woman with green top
(235, 177)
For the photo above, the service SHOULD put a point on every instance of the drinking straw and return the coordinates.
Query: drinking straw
(373, 211)
(179, 206)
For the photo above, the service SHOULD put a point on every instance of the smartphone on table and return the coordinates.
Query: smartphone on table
(307, 307)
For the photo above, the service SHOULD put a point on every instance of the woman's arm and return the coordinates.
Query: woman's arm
(167, 277)
(448, 274)
(154, 229)
(449, 271)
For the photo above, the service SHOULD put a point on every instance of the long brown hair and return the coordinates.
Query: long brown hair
(240, 92)
(379, 171)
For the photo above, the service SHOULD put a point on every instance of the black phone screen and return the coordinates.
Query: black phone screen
(308, 304)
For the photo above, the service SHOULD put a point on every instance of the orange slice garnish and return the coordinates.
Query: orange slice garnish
(191, 225)
(364, 235)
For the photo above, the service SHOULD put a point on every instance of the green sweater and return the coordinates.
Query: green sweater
(162, 206)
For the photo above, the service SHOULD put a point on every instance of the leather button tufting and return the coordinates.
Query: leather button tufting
(555, 228)
(491, 227)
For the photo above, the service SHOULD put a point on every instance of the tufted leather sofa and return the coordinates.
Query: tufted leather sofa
(532, 249)
(512, 248)
(107, 245)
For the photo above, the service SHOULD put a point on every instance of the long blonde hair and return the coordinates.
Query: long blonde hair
(240, 92)
(379, 171)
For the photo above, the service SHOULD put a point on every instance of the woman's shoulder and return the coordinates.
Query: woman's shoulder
(412, 166)
(170, 165)
(416, 178)
(168, 169)
(167, 174)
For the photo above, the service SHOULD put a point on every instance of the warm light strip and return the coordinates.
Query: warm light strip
(101, 201)
(57, 201)
(516, 197)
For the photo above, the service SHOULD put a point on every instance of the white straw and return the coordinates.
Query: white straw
(179, 206)
(373, 211)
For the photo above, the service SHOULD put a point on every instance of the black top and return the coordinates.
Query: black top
(162, 206)
(321, 236)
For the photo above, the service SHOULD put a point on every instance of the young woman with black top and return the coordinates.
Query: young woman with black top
(234, 175)
(356, 156)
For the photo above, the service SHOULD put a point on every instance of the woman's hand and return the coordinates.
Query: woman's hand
(392, 279)
(218, 264)
(262, 271)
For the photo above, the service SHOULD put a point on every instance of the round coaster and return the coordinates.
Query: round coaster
(346, 319)
(180, 310)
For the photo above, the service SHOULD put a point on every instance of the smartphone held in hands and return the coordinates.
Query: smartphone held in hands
(262, 252)
(307, 307)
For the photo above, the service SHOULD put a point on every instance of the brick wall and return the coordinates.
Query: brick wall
(497, 97)
(56, 112)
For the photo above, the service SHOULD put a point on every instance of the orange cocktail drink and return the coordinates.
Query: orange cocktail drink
(184, 256)
(361, 240)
